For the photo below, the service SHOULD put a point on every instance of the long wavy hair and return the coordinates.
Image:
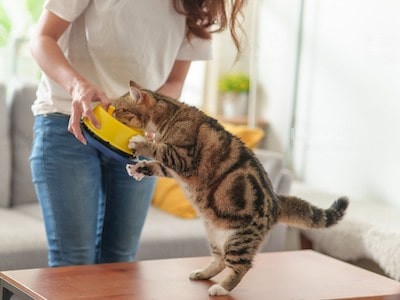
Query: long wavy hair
(204, 17)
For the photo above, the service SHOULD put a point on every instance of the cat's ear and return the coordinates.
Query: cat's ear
(135, 91)
(134, 84)
(135, 94)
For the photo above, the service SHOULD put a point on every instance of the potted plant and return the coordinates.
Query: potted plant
(234, 90)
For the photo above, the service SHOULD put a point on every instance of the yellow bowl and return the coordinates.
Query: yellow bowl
(112, 132)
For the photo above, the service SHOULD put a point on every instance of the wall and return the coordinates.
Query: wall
(277, 44)
(347, 137)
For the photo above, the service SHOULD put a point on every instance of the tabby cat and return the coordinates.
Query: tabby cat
(222, 178)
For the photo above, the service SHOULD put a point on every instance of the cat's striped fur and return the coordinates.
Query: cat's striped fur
(220, 175)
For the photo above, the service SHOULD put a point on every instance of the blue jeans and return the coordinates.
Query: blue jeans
(93, 210)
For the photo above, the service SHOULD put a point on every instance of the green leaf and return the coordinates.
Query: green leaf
(235, 83)
(34, 7)
(5, 26)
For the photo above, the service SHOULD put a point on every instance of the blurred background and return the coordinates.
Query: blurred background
(320, 77)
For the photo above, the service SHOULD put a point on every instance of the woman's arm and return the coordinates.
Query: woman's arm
(174, 84)
(52, 61)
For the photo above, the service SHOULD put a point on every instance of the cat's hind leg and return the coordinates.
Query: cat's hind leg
(216, 239)
(215, 266)
(237, 268)
(239, 252)
(232, 279)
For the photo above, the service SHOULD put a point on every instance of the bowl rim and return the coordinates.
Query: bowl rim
(106, 116)
(105, 147)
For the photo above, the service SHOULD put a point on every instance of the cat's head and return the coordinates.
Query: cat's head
(134, 108)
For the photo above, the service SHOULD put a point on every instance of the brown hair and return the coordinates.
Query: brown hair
(204, 17)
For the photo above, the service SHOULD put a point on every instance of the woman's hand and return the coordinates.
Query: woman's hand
(83, 94)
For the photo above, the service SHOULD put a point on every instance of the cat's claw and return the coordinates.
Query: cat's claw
(132, 171)
(217, 290)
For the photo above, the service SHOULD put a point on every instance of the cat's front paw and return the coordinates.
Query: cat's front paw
(134, 171)
(134, 141)
(217, 290)
(140, 170)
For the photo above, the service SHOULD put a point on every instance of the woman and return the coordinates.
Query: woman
(88, 51)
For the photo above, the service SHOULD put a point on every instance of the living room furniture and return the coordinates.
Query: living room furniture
(22, 237)
(279, 275)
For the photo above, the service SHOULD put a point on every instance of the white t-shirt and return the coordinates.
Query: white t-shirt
(111, 42)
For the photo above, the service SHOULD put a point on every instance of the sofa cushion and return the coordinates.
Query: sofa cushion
(23, 241)
(32, 210)
(165, 235)
(21, 124)
(285, 184)
(273, 164)
(5, 160)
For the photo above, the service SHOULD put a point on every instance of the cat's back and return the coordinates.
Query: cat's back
(214, 150)
(220, 150)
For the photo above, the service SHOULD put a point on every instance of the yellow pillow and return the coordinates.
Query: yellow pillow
(250, 136)
(168, 195)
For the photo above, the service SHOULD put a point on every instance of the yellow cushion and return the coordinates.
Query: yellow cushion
(250, 136)
(168, 195)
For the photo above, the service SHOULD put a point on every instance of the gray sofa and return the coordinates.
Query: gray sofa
(22, 237)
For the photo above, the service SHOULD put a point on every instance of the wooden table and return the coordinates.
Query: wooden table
(281, 275)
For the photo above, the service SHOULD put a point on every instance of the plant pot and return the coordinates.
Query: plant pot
(234, 104)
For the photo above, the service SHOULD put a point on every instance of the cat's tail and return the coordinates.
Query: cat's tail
(300, 213)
